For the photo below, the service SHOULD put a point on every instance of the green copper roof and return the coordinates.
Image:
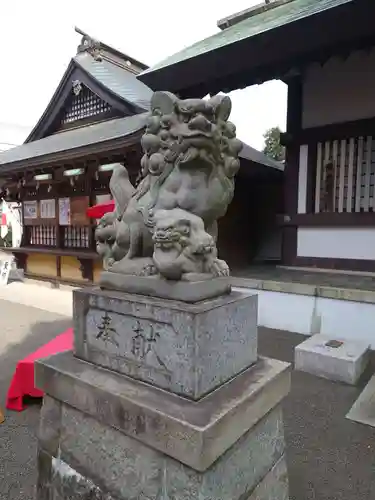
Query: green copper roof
(75, 138)
(117, 79)
(260, 23)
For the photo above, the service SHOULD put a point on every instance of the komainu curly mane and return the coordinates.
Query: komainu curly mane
(189, 138)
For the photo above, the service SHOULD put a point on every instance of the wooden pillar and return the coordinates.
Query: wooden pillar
(294, 126)
(58, 230)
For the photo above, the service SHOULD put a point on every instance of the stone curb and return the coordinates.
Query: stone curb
(327, 292)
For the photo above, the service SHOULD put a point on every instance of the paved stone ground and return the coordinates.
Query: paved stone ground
(23, 330)
(330, 458)
(41, 296)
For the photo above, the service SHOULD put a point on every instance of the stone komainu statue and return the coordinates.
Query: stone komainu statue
(168, 225)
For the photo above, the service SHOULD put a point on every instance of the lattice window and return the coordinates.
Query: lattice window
(83, 104)
(76, 236)
(345, 175)
(42, 235)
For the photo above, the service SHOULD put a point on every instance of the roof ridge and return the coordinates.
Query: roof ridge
(96, 47)
(117, 80)
(259, 8)
(256, 155)
(248, 28)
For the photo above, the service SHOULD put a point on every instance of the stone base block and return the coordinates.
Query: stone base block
(16, 274)
(189, 349)
(105, 436)
(154, 286)
(275, 484)
(334, 359)
(363, 410)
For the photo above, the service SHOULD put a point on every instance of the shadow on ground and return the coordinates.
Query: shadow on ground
(18, 432)
(330, 457)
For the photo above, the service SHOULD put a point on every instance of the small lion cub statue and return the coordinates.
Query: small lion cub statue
(183, 250)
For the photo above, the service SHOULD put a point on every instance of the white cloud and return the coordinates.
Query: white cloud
(38, 41)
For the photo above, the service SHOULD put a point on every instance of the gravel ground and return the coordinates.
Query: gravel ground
(330, 458)
(23, 330)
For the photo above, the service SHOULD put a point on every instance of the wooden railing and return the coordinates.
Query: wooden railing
(345, 175)
(41, 235)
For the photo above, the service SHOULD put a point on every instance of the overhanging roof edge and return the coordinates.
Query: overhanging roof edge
(85, 137)
(235, 35)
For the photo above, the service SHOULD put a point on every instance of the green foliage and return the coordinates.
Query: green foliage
(272, 146)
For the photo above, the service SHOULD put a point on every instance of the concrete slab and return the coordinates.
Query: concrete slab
(335, 359)
(363, 410)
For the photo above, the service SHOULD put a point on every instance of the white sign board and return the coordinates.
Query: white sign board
(30, 209)
(5, 267)
(64, 211)
(47, 209)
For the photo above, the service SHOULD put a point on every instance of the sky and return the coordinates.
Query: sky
(38, 40)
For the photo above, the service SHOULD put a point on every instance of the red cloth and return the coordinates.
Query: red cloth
(23, 379)
(97, 211)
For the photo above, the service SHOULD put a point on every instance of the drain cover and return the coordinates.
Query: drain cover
(334, 343)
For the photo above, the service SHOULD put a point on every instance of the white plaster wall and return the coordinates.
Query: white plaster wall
(284, 311)
(302, 178)
(339, 91)
(334, 242)
(309, 315)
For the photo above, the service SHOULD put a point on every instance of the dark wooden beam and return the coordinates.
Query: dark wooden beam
(332, 219)
(86, 152)
(294, 124)
(336, 264)
(334, 131)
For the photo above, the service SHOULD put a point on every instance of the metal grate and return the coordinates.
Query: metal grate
(345, 175)
(84, 104)
(76, 236)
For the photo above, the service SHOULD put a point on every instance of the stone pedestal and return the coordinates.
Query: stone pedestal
(333, 359)
(185, 411)
(189, 349)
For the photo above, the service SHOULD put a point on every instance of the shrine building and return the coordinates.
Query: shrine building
(95, 118)
(324, 51)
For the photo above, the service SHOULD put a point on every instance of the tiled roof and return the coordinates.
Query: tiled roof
(248, 28)
(249, 153)
(73, 139)
(118, 80)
